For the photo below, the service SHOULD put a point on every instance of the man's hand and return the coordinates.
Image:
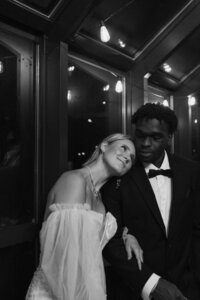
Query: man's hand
(166, 290)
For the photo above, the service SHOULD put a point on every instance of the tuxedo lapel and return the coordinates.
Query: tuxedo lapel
(140, 178)
(179, 184)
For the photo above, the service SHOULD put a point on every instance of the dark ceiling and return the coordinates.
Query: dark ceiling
(154, 32)
(134, 22)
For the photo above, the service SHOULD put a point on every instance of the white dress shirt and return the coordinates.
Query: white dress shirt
(162, 187)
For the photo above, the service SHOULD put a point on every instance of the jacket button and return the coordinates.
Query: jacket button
(170, 245)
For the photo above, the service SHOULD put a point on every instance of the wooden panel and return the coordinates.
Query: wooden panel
(11, 235)
(17, 265)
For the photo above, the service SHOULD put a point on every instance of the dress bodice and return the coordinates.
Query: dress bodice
(106, 225)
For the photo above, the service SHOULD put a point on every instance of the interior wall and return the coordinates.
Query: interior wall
(182, 140)
(135, 96)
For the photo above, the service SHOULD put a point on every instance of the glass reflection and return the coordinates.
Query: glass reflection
(16, 174)
(94, 108)
(195, 130)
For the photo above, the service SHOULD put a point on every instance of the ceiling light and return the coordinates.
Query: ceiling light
(147, 75)
(167, 68)
(119, 86)
(69, 95)
(195, 121)
(71, 68)
(106, 87)
(121, 43)
(1, 67)
(191, 100)
(104, 34)
(165, 102)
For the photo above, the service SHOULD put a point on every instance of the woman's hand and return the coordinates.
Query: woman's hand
(132, 245)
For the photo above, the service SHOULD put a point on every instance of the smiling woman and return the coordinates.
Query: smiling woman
(116, 148)
(76, 227)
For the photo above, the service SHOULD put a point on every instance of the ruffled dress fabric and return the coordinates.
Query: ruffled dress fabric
(71, 264)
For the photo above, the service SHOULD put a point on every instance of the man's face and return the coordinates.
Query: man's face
(151, 139)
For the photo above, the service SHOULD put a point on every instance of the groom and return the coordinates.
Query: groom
(161, 209)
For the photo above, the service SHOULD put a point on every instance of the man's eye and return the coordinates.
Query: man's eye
(157, 137)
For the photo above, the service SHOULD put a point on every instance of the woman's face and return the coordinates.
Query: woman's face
(119, 156)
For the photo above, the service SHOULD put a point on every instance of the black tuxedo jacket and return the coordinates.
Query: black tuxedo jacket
(174, 255)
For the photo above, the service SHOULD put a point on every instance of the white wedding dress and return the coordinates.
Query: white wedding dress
(71, 264)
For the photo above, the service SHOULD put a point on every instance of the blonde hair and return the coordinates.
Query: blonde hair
(108, 140)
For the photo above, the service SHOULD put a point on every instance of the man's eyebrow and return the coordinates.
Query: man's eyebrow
(155, 133)
(139, 130)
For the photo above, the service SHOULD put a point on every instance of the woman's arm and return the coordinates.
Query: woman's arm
(69, 188)
(131, 245)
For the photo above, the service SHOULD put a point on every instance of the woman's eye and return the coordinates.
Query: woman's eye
(124, 148)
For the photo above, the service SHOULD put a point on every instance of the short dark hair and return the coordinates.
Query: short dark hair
(159, 112)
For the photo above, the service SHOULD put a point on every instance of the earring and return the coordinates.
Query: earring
(118, 182)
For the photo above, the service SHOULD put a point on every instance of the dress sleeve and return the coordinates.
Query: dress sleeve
(110, 228)
(69, 242)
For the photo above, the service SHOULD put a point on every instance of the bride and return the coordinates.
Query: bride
(76, 227)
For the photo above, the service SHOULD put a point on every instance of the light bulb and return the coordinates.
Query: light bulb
(1, 67)
(191, 100)
(119, 86)
(104, 34)
(165, 102)
(71, 68)
(147, 75)
(121, 43)
(106, 87)
(167, 68)
(69, 95)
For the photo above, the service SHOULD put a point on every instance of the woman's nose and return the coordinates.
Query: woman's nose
(126, 158)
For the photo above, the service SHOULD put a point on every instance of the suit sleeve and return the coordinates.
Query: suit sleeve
(115, 251)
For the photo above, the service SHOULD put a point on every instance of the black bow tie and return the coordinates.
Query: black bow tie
(153, 173)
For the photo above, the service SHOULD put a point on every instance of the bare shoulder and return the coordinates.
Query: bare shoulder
(69, 188)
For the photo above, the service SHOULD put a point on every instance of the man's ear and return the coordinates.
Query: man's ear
(169, 138)
(169, 142)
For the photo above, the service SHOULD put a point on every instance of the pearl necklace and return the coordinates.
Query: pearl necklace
(96, 193)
